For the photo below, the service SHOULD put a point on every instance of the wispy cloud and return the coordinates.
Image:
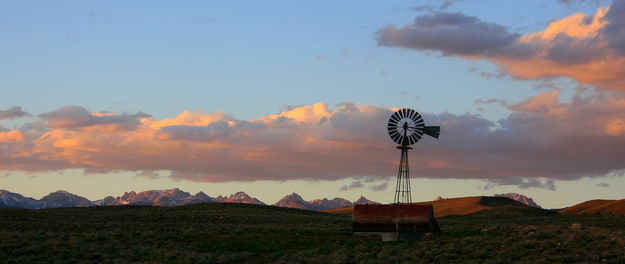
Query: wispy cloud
(13, 112)
(353, 185)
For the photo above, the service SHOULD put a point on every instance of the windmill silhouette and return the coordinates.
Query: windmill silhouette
(406, 127)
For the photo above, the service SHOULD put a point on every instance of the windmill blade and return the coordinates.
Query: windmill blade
(395, 118)
(432, 131)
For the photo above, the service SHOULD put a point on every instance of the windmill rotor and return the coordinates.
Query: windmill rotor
(406, 127)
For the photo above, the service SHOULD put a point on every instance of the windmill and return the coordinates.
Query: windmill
(401, 220)
(406, 127)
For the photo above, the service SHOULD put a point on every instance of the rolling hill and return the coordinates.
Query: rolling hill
(597, 206)
(455, 206)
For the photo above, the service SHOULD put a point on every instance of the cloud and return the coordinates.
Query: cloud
(440, 4)
(148, 174)
(379, 187)
(569, 2)
(490, 101)
(13, 112)
(588, 48)
(353, 185)
(449, 33)
(69, 117)
(521, 183)
(11, 136)
(543, 137)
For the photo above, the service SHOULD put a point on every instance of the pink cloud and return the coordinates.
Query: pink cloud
(542, 137)
(587, 48)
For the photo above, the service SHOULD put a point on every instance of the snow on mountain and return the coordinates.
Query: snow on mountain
(16, 200)
(294, 201)
(519, 198)
(363, 200)
(322, 204)
(170, 197)
(64, 199)
(107, 201)
(198, 198)
(239, 197)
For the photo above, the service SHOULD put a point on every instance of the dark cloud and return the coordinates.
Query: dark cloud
(13, 112)
(569, 50)
(614, 31)
(448, 3)
(449, 33)
(78, 117)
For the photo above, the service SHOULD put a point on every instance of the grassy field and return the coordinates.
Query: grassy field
(239, 233)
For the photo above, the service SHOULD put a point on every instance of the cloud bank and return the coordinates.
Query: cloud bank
(587, 48)
(543, 137)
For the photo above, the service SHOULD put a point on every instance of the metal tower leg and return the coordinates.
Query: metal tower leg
(402, 189)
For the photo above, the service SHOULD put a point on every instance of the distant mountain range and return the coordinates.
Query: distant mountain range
(53, 200)
(171, 197)
(295, 201)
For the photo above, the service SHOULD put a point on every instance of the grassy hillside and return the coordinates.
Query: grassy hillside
(597, 206)
(237, 233)
(453, 206)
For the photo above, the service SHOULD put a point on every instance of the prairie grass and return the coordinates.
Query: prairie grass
(240, 233)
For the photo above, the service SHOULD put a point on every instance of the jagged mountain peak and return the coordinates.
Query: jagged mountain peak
(363, 200)
(519, 198)
(293, 200)
(64, 199)
(240, 195)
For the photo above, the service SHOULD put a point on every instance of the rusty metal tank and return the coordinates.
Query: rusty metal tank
(394, 221)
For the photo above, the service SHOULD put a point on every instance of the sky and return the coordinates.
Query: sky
(274, 97)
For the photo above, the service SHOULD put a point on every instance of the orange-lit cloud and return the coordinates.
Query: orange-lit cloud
(542, 137)
(11, 136)
(587, 48)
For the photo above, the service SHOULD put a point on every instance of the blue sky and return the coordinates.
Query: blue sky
(253, 59)
(243, 58)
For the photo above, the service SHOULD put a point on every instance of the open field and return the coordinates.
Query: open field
(239, 233)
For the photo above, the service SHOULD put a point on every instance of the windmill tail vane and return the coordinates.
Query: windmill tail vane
(406, 127)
